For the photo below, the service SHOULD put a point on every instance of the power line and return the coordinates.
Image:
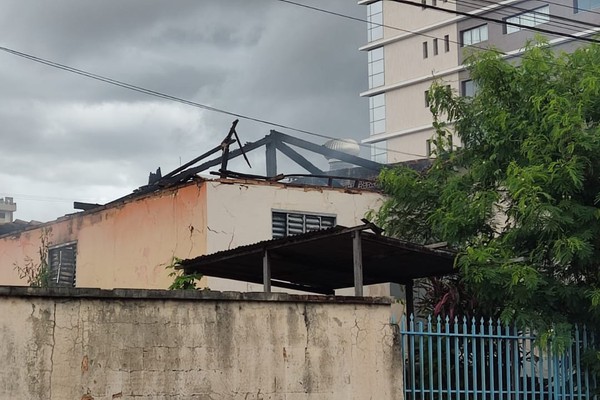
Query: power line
(369, 22)
(566, 6)
(173, 98)
(422, 34)
(489, 19)
(553, 19)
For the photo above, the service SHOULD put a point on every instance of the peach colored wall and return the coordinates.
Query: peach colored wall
(127, 246)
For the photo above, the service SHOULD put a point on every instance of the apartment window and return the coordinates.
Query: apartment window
(530, 18)
(377, 114)
(468, 88)
(425, 50)
(2, 215)
(584, 5)
(474, 35)
(376, 67)
(379, 152)
(446, 43)
(62, 264)
(435, 47)
(294, 223)
(375, 18)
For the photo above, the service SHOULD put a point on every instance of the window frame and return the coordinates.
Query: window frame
(464, 87)
(379, 152)
(478, 29)
(376, 67)
(377, 114)
(54, 270)
(321, 216)
(375, 21)
(578, 9)
(531, 15)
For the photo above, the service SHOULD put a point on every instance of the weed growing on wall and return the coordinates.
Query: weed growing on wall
(36, 272)
(181, 280)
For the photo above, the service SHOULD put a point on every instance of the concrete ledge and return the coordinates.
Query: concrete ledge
(206, 295)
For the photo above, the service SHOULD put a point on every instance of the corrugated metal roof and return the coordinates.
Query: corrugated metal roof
(322, 261)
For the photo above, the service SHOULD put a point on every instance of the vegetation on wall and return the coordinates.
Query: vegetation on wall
(181, 280)
(520, 199)
(36, 272)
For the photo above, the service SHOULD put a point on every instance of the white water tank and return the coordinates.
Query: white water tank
(348, 146)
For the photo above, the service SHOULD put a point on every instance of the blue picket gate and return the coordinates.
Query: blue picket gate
(484, 360)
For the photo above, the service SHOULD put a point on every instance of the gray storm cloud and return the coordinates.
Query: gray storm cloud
(66, 137)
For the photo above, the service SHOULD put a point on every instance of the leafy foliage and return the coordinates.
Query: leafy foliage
(36, 273)
(181, 280)
(520, 199)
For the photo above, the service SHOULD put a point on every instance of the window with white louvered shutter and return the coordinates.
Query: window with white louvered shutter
(294, 223)
(62, 265)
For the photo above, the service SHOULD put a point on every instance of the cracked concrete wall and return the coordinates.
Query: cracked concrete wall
(127, 348)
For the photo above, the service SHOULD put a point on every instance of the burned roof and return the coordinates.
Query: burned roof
(322, 261)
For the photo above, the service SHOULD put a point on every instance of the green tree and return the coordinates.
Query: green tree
(520, 199)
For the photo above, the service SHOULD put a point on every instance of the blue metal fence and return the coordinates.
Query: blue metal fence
(481, 360)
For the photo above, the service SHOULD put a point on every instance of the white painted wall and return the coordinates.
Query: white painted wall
(239, 214)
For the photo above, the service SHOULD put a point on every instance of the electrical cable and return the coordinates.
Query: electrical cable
(409, 31)
(422, 34)
(569, 7)
(174, 98)
(553, 20)
(259, 120)
(372, 23)
(489, 19)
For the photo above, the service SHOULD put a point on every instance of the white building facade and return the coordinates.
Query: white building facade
(409, 46)
(7, 208)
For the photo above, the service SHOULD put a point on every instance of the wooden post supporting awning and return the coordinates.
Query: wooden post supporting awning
(266, 272)
(358, 263)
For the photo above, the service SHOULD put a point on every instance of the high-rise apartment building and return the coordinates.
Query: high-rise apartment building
(411, 45)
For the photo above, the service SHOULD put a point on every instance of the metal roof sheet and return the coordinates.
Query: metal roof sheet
(322, 261)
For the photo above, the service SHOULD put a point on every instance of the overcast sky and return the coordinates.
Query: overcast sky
(65, 137)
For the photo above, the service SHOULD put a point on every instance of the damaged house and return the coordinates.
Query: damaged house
(128, 243)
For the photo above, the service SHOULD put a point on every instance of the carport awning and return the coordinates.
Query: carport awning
(325, 260)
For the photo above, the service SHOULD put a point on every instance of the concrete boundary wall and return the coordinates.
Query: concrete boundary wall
(65, 343)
